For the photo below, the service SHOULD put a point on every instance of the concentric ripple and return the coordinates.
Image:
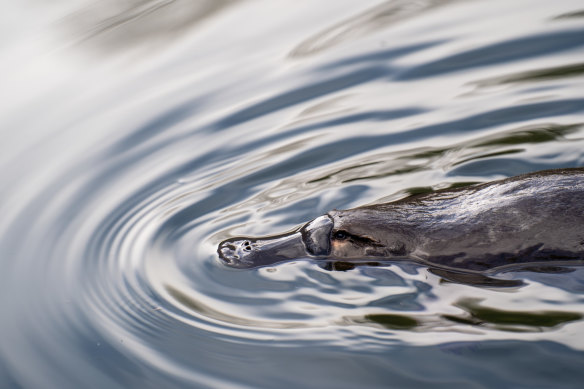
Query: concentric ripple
(121, 176)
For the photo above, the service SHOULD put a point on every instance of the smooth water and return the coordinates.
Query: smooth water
(136, 135)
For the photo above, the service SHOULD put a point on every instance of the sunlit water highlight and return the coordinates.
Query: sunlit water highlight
(138, 135)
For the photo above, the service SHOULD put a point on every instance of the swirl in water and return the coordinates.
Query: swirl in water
(134, 148)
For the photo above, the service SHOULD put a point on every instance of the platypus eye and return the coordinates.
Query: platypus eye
(340, 235)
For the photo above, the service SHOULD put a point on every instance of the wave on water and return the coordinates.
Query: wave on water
(139, 135)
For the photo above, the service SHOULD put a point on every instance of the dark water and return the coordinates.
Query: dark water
(137, 135)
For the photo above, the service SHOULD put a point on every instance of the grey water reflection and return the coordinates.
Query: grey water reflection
(532, 76)
(379, 17)
(501, 52)
(137, 135)
(116, 25)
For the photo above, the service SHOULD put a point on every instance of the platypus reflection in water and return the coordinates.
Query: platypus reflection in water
(532, 221)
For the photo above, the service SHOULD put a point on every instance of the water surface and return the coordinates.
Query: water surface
(137, 135)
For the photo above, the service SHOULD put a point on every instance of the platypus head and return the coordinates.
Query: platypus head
(313, 239)
(336, 235)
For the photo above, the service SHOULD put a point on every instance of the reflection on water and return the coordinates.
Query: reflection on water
(568, 15)
(120, 174)
(376, 18)
(535, 75)
(512, 321)
(112, 24)
(393, 322)
(478, 316)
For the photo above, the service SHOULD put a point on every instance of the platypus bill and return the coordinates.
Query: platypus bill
(530, 220)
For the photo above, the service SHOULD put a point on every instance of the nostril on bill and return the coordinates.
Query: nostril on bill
(234, 250)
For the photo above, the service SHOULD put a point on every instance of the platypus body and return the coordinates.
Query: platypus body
(520, 221)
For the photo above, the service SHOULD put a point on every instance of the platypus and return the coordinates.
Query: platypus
(525, 220)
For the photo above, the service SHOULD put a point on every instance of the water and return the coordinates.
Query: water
(137, 135)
